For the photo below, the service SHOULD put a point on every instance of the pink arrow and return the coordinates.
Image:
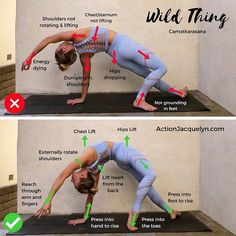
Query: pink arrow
(74, 36)
(87, 67)
(114, 61)
(141, 98)
(146, 56)
(172, 90)
(29, 60)
(95, 37)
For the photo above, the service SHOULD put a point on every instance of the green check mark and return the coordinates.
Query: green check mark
(12, 222)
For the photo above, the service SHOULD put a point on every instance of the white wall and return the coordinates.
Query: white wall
(179, 52)
(218, 174)
(217, 59)
(7, 28)
(8, 152)
(175, 160)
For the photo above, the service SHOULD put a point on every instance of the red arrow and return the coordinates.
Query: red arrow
(141, 98)
(146, 56)
(74, 36)
(114, 61)
(87, 67)
(95, 37)
(172, 90)
(29, 60)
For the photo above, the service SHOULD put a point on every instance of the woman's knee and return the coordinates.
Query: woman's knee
(163, 69)
(158, 73)
(152, 177)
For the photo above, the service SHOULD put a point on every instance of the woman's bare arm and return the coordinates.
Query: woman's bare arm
(68, 171)
(56, 38)
(89, 201)
(88, 205)
(85, 60)
(97, 177)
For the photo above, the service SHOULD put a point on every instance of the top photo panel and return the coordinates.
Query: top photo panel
(119, 58)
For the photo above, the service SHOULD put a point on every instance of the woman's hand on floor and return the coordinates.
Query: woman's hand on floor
(132, 220)
(76, 222)
(44, 210)
(73, 102)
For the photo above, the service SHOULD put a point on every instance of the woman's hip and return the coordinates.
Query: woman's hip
(126, 155)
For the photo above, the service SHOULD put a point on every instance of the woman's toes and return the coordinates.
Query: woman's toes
(132, 228)
(175, 214)
(152, 108)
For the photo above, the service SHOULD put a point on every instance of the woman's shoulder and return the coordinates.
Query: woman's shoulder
(89, 151)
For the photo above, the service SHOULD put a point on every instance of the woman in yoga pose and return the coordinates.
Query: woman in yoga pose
(130, 55)
(90, 165)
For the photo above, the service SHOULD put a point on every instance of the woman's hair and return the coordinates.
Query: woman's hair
(87, 185)
(64, 60)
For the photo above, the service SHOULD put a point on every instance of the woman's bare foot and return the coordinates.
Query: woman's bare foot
(131, 224)
(175, 214)
(184, 92)
(144, 105)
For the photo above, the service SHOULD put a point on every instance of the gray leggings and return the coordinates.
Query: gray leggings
(128, 57)
(129, 159)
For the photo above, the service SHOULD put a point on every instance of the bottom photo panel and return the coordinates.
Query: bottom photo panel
(155, 177)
